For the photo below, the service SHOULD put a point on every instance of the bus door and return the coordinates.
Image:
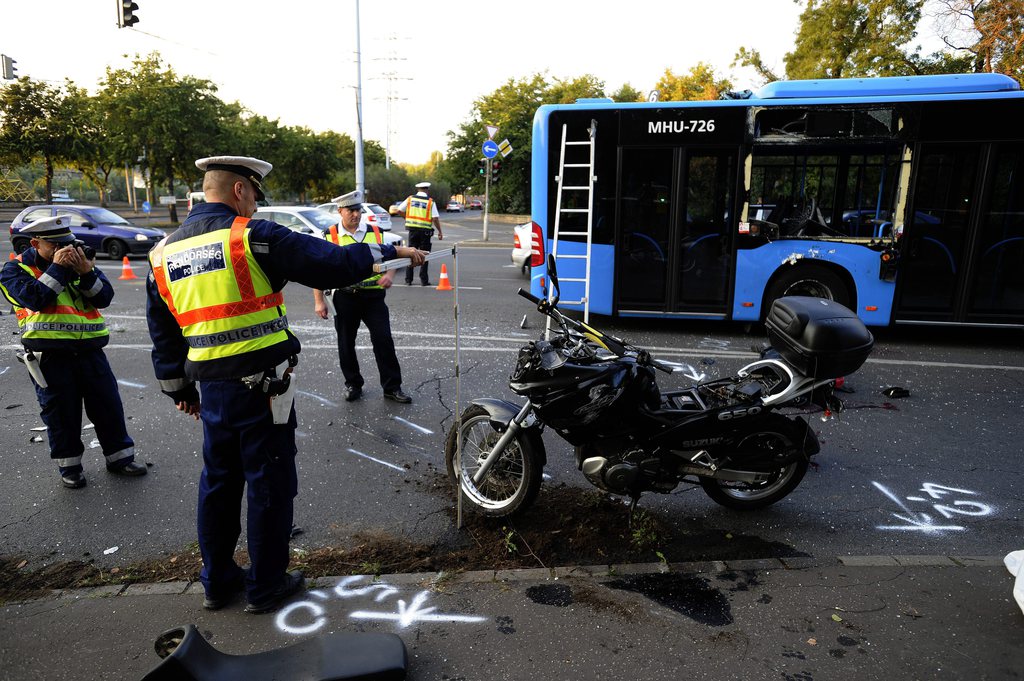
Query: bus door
(962, 257)
(676, 216)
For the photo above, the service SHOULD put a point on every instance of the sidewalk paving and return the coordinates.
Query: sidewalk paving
(864, 617)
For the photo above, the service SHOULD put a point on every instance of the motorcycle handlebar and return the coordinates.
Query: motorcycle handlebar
(529, 296)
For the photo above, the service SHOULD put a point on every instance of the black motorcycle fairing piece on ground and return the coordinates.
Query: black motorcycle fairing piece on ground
(333, 657)
(600, 394)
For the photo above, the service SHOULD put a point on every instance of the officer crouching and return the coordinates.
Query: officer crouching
(217, 316)
(57, 294)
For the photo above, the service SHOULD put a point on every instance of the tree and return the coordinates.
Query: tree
(700, 83)
(170, 120)
(511, 107)
(628, 93)
(855, 38)
(42, 122)
(752, 58)
(991, 32)
(96, 158)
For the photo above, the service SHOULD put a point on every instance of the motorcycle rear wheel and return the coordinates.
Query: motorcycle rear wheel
(513, 481)
(750, 497)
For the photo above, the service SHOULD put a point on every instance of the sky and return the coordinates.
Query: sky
(296, 61)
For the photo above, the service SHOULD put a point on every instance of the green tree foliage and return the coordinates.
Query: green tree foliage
(753, 59)
(628, 93)
(169, 119)
(699, 83)
(855, 38)
(511, 107)
(41, 122)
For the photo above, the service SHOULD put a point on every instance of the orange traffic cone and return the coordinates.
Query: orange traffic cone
(444, 284)
(126, 270)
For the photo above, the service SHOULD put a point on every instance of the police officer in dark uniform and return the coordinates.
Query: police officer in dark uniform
(57, 295)
(362, 303)
(217, 317)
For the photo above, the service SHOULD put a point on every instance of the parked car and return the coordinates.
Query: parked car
(523, 237)
(476, 204)
(312, 221)
(453, 207)
(100, 228)
(372, 215)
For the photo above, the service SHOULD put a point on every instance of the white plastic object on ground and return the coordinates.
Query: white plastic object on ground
(1014, 562)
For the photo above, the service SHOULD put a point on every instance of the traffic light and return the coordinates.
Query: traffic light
(126, 17)
(495, 171)
(481, 165)
(9, 69)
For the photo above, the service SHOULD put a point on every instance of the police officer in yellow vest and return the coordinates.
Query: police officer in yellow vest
(57, 295)
(421, 219)
(362, 303)
(217, 316)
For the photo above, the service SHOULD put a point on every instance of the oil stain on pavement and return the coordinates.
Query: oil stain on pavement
(691, 596)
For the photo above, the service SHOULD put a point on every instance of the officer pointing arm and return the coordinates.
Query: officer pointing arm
(217, 317)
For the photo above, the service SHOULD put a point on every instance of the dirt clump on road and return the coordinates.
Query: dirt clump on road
(566, 526)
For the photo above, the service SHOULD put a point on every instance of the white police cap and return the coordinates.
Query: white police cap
(423, 185)
(56, 229)
(253, 169)
(349, 200)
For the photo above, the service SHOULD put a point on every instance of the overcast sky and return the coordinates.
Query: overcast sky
(295, 60)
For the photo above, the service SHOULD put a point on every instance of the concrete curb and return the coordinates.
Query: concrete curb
(439, 579)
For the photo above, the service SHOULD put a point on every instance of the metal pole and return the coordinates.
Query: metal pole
(487, 196)
(360, 176)
(458, 391)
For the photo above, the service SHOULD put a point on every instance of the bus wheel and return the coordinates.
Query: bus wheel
(809, 280)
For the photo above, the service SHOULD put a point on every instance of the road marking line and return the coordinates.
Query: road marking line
(423, 430)
(383, 463)
(322, 400)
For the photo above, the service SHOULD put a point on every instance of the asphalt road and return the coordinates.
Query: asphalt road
(938, 472)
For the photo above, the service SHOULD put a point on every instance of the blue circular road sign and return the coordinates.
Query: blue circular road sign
(146, 207)
(490, 149)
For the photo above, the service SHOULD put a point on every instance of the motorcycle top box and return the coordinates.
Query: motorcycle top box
(818, 337)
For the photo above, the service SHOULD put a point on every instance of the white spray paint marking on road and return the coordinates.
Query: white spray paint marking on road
(321, 400)
(308, 616)
(4, 370)
(922, 522)
(121, 381)
(425, 431)
(383, 463)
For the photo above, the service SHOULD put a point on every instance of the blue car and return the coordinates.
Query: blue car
(100, 228)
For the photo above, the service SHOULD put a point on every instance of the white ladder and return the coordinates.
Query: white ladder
(589, 210)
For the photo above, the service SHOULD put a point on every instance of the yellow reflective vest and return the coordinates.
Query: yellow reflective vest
(346, 239)
(219, 295)
(418, 212)
(71, 317)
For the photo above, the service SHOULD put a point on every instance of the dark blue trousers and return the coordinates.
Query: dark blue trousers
(75, 378)
(242, 448)
(420, 238)
(367, 307)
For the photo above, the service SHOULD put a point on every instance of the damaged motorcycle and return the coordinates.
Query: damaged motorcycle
(600, 394)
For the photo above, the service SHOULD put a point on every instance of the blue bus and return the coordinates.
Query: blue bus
(902, 198)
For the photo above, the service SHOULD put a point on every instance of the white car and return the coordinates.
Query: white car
(454, 207)
(311, 221)
(523, 245)
(372, 214)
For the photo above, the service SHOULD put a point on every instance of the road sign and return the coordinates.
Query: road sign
(146, 207)
(167, 200)
(490, 149)
(492, 130)
(505, 148)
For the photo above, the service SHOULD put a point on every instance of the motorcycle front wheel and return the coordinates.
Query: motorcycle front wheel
(744, 496)
(513, 481)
